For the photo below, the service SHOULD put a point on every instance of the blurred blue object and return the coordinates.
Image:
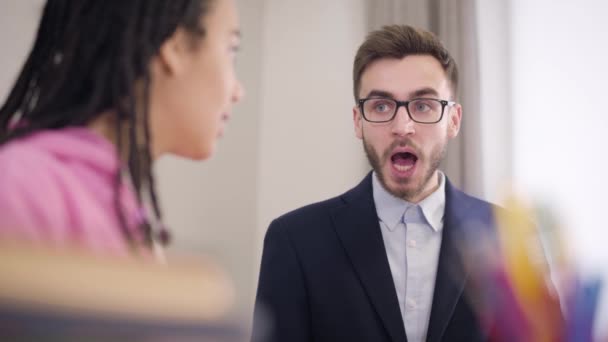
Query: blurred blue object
(581, 309)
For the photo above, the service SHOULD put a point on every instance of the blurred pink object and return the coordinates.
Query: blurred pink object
(57, 187)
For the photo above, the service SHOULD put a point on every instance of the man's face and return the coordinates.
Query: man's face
(406, 154)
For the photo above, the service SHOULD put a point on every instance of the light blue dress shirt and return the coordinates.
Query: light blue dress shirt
(412, 238)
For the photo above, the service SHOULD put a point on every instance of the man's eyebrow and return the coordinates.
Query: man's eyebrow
(426, 91)
(423, 92)
(380, 93)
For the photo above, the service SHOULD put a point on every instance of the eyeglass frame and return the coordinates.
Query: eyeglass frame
(444, 103)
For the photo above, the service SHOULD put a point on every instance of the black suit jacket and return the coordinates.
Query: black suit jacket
(325, 274)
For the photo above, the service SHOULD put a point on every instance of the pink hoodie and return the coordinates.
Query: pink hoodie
(57, 187)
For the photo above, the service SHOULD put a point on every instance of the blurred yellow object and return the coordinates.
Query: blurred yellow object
(528, 270)
(521, 248)
(76, 282)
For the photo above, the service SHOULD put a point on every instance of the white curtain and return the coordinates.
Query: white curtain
(454, 21)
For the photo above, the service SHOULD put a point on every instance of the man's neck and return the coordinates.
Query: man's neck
(430, 187)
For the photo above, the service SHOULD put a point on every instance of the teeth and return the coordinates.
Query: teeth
(403, 168)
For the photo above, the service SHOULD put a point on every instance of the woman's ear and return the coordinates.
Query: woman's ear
(173, 53)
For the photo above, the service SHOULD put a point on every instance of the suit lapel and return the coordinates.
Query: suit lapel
(451, 274)
(357, 227)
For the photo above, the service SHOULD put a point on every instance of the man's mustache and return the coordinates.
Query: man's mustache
(402, 143)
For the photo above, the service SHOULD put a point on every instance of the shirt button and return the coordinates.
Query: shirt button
(410, 303)
(412, 243)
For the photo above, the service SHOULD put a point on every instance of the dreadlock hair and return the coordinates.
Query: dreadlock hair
(86, 59)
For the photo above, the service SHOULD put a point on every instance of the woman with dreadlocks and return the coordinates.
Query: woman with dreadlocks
(108, 87)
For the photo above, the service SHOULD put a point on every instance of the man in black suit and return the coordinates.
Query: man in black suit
(381, 261)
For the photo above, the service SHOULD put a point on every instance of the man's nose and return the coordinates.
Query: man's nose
(402, 124)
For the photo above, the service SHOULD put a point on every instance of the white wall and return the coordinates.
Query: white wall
(495, 97)
(559, 53)
(308, 151)
(18, 24)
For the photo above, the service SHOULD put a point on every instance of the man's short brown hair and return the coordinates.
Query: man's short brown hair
(399, 41)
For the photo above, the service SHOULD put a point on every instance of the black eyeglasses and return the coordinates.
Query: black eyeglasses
(422, 110)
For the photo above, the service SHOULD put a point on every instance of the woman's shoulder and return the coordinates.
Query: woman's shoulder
(31, 198)
(43, 158)
(28, 162)
(20, 155)
(47, 179)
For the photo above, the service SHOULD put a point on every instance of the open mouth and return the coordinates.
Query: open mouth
(404, 161)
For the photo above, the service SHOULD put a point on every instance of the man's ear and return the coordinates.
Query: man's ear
(454, 118)
(358, 122)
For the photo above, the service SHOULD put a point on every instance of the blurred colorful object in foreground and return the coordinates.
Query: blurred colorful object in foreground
(50, 294)
(517, 274)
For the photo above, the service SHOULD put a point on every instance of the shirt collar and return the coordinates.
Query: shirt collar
(390, 209)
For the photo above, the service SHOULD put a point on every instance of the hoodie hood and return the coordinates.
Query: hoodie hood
(76, 145)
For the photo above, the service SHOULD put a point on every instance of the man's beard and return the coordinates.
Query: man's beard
(437, 155)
